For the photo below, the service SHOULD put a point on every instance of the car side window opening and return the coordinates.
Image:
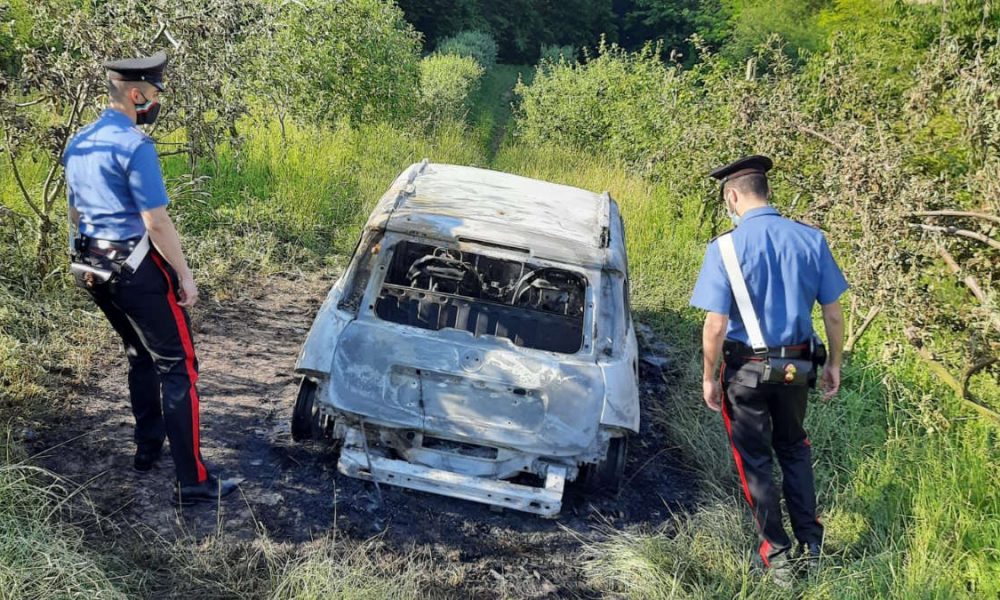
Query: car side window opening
(436, 287)
(354, 288)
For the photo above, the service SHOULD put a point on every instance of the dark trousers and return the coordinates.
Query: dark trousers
(162, 366)
(759, 419)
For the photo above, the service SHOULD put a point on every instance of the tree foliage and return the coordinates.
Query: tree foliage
(60, 45)
(316, 60)
(478, 45)
(325, 61)
(447, 84)
(519, 26)
(869, 146)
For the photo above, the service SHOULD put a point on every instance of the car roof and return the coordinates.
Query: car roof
(455, 202)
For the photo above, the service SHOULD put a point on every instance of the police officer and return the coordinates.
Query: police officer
(781, 268)
(128, 256)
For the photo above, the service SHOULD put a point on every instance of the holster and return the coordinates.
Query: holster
(91, 271)
(88, 276)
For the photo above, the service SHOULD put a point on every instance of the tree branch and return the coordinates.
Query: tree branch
(972, 235)
(20, 184)
(957, 386)
(856, 335)
(979, 366)
(821, 136)
(969, 280)
(48, 197)
(956, 213)
(173, 152)
(29, 103)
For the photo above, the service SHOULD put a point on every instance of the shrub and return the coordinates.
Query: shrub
(477, 44)
(355, 59)
(447, 83)
(554, 54)
(612, 102)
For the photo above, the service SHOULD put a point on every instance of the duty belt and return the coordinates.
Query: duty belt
(124, 253)
(111, 250)
(733, 350)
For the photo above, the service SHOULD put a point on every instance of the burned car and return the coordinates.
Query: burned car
(479, 344)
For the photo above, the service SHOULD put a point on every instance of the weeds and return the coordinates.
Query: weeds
(42, 556)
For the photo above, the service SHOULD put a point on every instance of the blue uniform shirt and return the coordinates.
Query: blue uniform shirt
(788, 267)
(112, 175)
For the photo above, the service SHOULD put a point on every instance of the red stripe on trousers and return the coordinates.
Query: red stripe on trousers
(765, 549)
(182, 329)
(729, 430)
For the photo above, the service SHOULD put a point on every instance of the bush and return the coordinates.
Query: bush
(554, 54)
(477, 44)
(355, 59)
(613, 103)
(856, 152)
(447, 84)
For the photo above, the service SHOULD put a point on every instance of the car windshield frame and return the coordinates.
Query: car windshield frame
(380, 268)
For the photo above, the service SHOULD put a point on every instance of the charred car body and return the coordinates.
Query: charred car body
(479, 344)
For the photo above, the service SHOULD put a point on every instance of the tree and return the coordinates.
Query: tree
(60, 47)
(325, 61)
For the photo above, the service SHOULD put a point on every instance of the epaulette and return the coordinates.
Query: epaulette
(721, 234)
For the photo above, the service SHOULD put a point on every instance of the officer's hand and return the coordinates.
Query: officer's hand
(830, 381)
(188, 292)
(712, 392)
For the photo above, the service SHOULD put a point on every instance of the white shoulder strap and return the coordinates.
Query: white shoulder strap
(740, 292)
(138, 253)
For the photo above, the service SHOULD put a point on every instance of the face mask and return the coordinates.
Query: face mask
(145, 114)
(735, 218)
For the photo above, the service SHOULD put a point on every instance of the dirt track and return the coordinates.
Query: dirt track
(247, 349)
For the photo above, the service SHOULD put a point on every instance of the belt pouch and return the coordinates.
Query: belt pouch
(88, 276)
(787, 371)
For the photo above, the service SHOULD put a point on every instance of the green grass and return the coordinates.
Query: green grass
(490, 117)
(41, 555)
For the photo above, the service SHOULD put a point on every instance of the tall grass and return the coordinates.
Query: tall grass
(41, 556)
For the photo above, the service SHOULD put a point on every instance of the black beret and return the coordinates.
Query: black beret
(758, 163)
(148, 69)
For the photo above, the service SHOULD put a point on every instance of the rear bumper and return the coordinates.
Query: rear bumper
(355, 461)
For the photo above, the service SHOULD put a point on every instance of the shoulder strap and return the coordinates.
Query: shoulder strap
(740, 292)
(138, 253)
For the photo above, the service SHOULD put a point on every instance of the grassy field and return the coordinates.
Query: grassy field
(908, 480)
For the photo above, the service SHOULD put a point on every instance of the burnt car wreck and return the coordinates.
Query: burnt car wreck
(479, 344)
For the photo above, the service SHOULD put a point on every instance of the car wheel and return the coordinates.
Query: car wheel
(608, 474)
(307, 422)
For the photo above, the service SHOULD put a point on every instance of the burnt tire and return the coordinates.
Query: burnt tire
(307, 422)
(608, 474)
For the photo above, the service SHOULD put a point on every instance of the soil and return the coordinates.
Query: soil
(247, 348)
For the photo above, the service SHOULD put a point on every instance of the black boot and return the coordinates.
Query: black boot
(145, 458)
(212, 489)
